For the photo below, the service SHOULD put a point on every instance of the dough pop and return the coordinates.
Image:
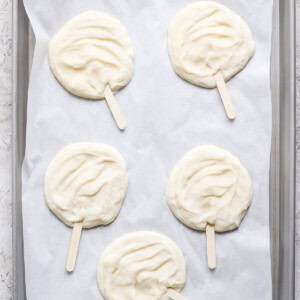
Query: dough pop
(209, 44)
(85, 186)
(92, 57)
(142, 266)
(209, 190)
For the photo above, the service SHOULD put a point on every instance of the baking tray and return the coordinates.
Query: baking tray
(282, 172)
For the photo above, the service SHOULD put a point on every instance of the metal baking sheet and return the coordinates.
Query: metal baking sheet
(282, 173)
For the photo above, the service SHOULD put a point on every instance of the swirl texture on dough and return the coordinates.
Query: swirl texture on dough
(209, 186)
(91, 51)
(86, 182)
(141, 266)
(206, 37)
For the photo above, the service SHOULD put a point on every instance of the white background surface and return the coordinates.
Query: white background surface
(166, 117)
(5, 152)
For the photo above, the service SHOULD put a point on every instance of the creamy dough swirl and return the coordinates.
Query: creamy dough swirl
(140, 266)
(91, 51)
(86, 182)
(209, 186)
(206, 37)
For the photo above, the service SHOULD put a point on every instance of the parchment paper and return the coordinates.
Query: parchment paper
(166, 117)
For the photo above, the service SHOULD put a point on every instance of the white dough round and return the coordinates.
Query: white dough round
(140, 266)
(206, 37)
(86, 182)
(209, 186)
(91, 51)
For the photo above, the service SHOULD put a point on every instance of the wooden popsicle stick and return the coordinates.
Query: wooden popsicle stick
(75, 240)
(211, 246)
(172, 294)
(228, 105)
(114, 108)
